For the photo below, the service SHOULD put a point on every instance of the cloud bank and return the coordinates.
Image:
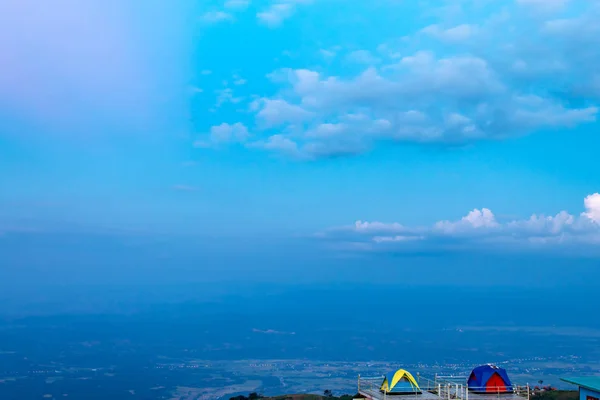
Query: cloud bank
(446, 84)
(477, 230)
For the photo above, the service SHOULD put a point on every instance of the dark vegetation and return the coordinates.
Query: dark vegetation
(251, 396)
(556, 395)
(547, 394)
(327, 395)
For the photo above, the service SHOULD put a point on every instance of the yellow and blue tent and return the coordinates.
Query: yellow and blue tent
(399, 382)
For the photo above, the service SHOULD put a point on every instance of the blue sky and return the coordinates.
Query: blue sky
(380, 127)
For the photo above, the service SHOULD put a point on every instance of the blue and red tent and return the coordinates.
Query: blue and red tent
(489, 379)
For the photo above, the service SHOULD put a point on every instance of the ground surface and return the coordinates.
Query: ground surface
(557, 395)
(306, 397)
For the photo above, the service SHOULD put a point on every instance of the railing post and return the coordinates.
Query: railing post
(358, 383)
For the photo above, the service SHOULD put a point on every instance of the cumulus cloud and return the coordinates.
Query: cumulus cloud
(454, 34)
(491, 84)
(279, 11)
(476, 219)
(277, 112)
(214, 17)
(223, 134)
(402, 103)
(592, 206)
(278, 144)
(328, 54)
(276, 14)
(238, 80)
(478, 229)
(226, 96)
(362, 57)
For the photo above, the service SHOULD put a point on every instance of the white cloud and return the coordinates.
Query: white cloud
(276, 14)
(279, 11)
(491, 84)
(475, 219)
(364, 226)
(544, 5)
(362, 57)
(592, 206)
(237, 5)
(328, 54)
(539, 225)
(226, 133)
(397, 238)
(276, 112)
(544, 113)
(223, 134)
(214, 17)
(226, 96)
(458, 33)
(278, 144)
(272, 332)
(478, 229)
(331, 116)
(327, 130)
(576, 30)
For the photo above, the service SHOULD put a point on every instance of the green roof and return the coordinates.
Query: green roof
(587, 382)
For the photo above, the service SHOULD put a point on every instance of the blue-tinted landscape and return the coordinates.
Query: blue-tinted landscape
(204, 199)
(251, 339)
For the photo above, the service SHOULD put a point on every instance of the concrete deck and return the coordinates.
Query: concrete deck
(491, 396)
(376, 394)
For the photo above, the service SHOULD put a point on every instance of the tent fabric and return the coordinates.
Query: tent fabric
(489, 378)
(400, 381)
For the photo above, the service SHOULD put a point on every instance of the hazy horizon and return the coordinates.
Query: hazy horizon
(381, 182)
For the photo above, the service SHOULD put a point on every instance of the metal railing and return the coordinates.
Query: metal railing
(487, 391)
(500, 391)
(444, 387)
(372, 387)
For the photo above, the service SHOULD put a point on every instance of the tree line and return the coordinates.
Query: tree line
(327, 394)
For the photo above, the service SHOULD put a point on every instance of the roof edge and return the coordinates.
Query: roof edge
(577, 382)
